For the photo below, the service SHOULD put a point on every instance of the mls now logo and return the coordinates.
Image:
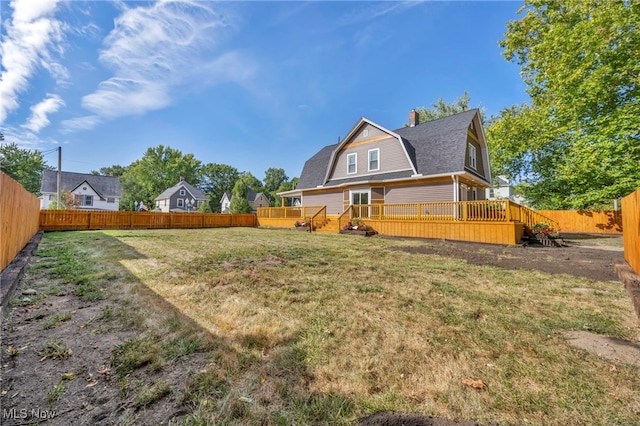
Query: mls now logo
(23, 413)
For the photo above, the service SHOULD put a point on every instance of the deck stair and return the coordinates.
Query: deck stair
(329, 225)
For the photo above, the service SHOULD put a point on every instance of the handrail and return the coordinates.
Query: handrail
(341, 221)
(531, 217)
(322, 213)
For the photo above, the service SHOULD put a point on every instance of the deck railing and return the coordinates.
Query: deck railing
(468, 211)
(320, 217)
(289, 212)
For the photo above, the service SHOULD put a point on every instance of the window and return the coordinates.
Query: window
(374, 159)
(474, 194)
(491, 193)
(111, 200)
(84, 200)
(351, 163)
(182, 192)
(472, 156)
(52, 197)
(180, 202)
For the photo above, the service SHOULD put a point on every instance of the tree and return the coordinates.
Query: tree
(216, 179)
(23, 165)
(286, 186)
(441, 109)
(577, 145)
(239, 201)
(68, 201)
(273, 179)
(159, 168)
(251, 181)
(115, 170)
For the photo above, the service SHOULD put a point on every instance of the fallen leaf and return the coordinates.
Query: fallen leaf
(612, 368)
(69, 376)
(476, 384)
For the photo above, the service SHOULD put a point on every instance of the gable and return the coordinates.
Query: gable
(374, 150)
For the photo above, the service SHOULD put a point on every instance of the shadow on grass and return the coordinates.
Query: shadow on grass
(219, 378)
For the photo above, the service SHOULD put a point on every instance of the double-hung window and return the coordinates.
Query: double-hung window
(351, 163)
(374, 159)
(472, 156)
(84, 200)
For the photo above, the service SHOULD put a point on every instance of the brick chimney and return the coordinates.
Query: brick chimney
(413, 118)
(181, 178)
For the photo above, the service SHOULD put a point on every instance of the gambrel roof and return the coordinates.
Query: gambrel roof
(433, 148)
(104, 186)
(183, 184)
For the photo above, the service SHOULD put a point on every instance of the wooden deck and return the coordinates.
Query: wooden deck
(496, 222)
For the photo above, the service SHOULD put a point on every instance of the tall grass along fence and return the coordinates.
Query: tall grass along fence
(631, 226)
(591, 222)
(19, 212)
(68, 220)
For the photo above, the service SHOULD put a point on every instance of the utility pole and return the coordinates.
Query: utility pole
(59, 174)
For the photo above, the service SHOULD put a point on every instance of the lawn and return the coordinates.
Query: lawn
(286, 327)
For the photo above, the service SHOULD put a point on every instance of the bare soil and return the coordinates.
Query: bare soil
(78, 387)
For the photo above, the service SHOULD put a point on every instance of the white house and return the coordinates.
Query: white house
(93, 192)
(504, 190)
(256, 200)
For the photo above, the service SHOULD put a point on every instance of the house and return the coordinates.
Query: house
(181, 197)
(504, 190)
(93, 192)
(440, 160)
(256, 199)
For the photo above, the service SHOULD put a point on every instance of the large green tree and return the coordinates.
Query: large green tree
(23, 165)
(159, 168)
(273, 179)
(239, 200)
(115, 170)
(216, 179)
(577, 144)
(443, 109)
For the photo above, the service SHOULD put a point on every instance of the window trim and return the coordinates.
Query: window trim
(111, 200)
(473, 157)
(183, 192)
(353, 155)
(377, 159)
(180, 202)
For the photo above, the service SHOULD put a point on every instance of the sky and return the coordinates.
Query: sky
(251, 84)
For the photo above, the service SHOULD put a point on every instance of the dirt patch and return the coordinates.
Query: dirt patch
(578, 259)
(611, 348)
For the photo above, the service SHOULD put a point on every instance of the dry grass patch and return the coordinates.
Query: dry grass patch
(324, 329)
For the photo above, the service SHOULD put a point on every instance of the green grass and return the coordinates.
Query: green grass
(52, 320)
(302, 328)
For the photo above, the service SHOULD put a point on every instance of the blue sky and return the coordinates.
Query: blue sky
(251, 84)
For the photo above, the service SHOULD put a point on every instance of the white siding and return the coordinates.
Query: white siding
(441, 191)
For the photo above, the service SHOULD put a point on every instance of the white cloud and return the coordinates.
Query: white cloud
(30, 37)
(38, 119)
(154, 50)
(80, 123)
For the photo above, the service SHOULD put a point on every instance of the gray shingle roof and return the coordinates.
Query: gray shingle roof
(435, 147)
(105, 186)
(195, 192)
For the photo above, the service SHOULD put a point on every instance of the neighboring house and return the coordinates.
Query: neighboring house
(92, 191)
(503, 190)
(440, 160)
(256, 199)
(181, 197)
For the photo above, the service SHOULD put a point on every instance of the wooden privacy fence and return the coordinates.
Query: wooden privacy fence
(631, 226)
(68, 220)
(19, 212)
(591, 222)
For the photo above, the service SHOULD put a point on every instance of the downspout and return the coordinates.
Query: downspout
(456, 196)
